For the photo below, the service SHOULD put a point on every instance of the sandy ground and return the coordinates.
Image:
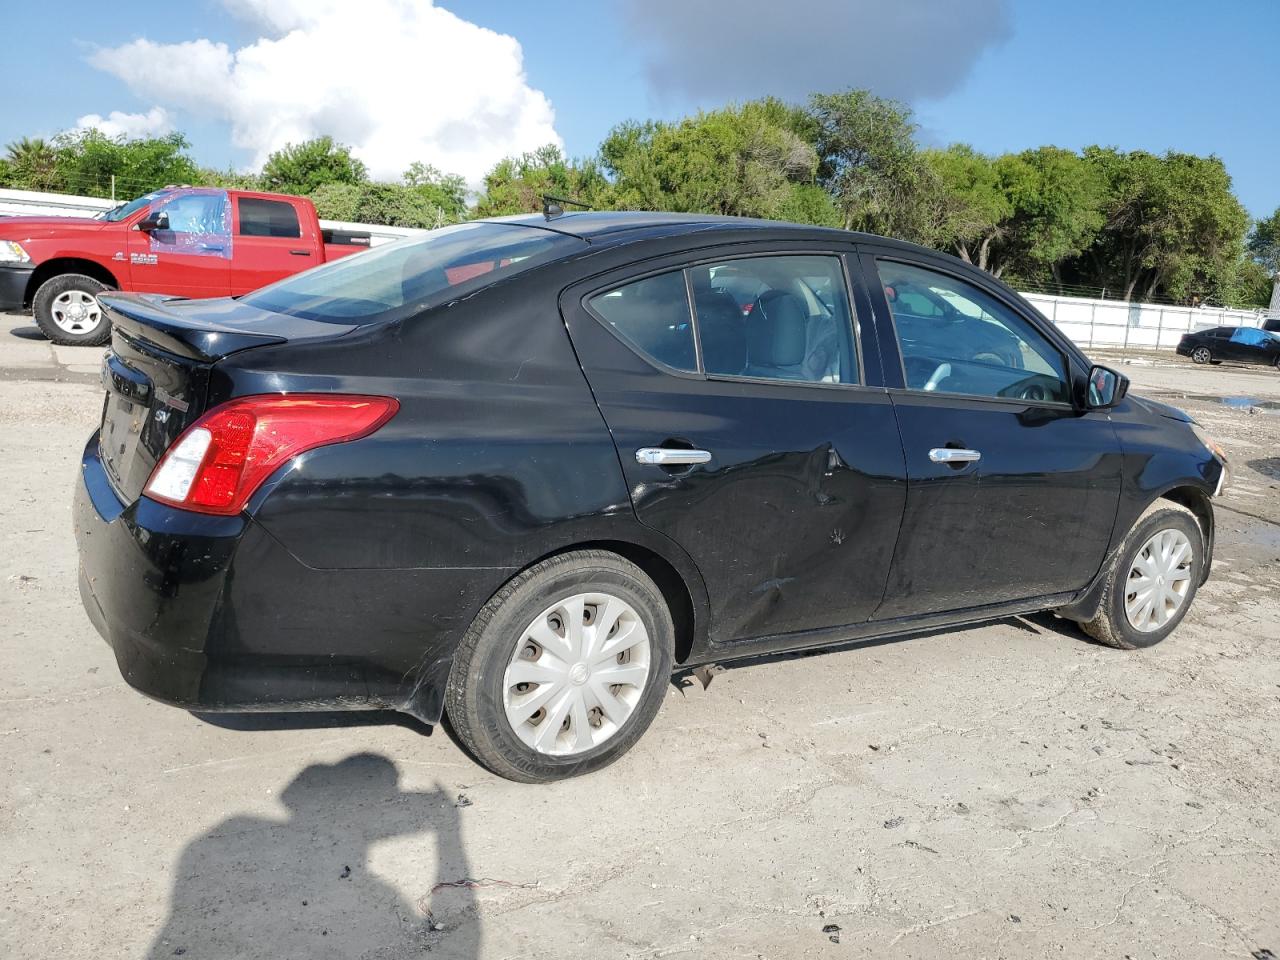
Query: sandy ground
(1008, 790)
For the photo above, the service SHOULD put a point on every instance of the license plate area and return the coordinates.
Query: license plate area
(149, 400)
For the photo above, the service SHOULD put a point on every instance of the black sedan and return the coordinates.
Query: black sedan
(1235, 344)
(522, 470)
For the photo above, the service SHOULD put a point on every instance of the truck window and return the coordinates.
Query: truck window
(268, 218)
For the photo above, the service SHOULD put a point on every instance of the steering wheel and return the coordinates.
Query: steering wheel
(941, 373)
(923, 371)
(1034, 391)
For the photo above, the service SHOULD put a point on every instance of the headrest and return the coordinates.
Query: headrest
(720, 325)
(776, 330)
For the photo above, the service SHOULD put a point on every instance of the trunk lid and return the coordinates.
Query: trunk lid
(156, 374)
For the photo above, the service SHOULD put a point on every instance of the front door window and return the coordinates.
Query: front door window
(957, 338)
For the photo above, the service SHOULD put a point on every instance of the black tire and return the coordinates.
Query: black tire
(1202, 354)
(474, 696)
(1111, 625)
(46, 301)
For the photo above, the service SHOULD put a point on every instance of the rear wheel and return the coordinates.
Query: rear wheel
(1201, 355)
(67, 311)
(1153, 581)
(564, 669)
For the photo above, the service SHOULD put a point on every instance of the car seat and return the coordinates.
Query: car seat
(777, 337)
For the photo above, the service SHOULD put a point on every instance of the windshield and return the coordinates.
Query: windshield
(395, 279)
(125, 210)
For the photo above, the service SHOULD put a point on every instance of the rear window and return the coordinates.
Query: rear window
(268, 218)
(401, 278)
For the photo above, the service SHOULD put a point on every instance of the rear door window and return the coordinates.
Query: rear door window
(767, 317)
(775, 318)
(268, 218)
(652, 315)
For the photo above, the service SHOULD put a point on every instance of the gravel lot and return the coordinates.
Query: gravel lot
(1008, 790)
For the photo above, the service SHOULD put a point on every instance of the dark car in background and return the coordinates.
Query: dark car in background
(1232, 344)
(519, 471)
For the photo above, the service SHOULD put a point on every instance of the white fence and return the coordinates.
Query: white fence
(1090, 323)
(26, 203)
(1144, 326)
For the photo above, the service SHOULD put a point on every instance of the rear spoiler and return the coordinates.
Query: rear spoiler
(144, 317)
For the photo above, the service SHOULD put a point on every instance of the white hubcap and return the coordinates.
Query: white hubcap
(1158, 581)
(576, 674)
(76, 311)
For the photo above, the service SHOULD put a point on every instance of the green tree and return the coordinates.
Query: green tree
(445, 191)
(1056, 203)
(973, 208)
(427, 201)
(1172, 225)
(751, 160)
(229, 179)
(518, 184)
(398, 205)
(88, 159)
(870, 165)
(1264, 249)
(1248, 286)
(32, 164)
(337, 201)
(302, 168)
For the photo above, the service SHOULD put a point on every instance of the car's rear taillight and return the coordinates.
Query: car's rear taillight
(222, 458)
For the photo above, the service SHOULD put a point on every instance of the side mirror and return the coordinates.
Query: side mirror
(154, 221)
(1106, 388)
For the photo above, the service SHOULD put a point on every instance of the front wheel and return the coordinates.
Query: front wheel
(1153, 581)
(1201, 355)
(67, 311)
(564, 669)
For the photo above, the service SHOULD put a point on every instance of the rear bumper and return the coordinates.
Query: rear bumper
(214, 614)
(151, 579)
(14, 278)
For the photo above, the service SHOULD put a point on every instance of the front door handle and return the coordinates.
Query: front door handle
(671, 456)
(300, 253)
(952, 455)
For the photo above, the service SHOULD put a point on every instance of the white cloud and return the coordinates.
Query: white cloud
(397, 80)
(154, 123)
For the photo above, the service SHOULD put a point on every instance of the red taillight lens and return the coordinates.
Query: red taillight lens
(222, 458)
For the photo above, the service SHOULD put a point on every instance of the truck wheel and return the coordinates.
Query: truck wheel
(564, 669)
(67, 311)
(1153, 581)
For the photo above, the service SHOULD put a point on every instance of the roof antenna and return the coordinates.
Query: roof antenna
(553, 207)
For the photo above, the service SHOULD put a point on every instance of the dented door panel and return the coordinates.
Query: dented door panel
(792, 520)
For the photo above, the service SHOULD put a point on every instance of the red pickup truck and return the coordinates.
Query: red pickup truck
(182, 241)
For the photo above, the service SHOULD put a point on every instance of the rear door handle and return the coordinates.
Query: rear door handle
(952, 455)
(301, 253)
(671, 456)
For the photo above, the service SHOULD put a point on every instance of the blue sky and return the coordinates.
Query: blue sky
(1008, 74)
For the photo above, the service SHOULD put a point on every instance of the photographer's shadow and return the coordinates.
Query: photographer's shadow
(302, 887)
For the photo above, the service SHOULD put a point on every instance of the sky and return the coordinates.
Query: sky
(461, 83)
